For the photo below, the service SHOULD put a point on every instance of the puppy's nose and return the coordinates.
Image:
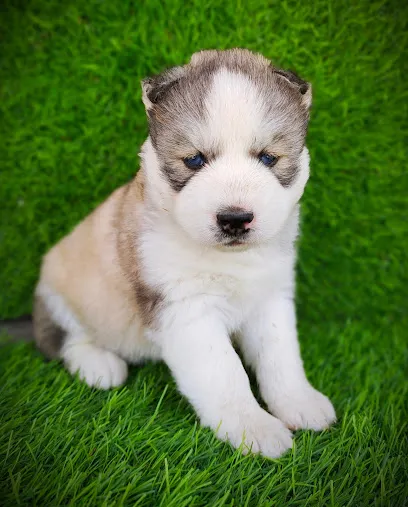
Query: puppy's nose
(234, 221)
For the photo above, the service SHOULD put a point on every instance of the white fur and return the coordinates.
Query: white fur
(269, 343)
(212, 293)
(96, 366)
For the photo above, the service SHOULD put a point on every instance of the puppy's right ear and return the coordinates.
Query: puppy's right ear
(155, 88)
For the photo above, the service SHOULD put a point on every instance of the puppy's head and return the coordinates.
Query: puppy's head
(227, 138)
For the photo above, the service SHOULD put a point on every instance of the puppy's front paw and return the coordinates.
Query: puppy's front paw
(305, 408)
(258, 432)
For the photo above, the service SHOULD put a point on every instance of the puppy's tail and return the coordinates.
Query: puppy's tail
(19, 329)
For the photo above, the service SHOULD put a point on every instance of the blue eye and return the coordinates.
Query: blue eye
(268, 160)
(195, 162)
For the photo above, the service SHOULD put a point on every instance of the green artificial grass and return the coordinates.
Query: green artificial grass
(71, 125)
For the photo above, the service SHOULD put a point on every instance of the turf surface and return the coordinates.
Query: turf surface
(71, 126)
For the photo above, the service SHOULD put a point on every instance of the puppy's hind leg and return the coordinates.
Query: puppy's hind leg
(59, 335)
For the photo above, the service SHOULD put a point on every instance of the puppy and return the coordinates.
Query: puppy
(197, 254)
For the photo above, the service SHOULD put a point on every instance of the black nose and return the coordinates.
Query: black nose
(233, 221)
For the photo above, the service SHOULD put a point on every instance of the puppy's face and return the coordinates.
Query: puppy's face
(228, 131)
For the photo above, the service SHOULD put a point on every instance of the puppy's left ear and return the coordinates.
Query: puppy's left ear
(155, 88)
(305, 88)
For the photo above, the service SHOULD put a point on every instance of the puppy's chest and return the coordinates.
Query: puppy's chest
(234, 286)
(234, 297)
(234, 289)
(234, 282)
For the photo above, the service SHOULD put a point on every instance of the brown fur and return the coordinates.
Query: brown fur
(145, 297)
(96, 269)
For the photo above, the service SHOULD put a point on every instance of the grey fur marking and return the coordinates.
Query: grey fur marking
(178, 107)
(49, 336)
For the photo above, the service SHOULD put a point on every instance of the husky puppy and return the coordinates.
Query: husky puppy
(196, 254)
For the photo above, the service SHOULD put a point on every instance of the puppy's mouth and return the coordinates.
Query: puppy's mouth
(237, 243)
